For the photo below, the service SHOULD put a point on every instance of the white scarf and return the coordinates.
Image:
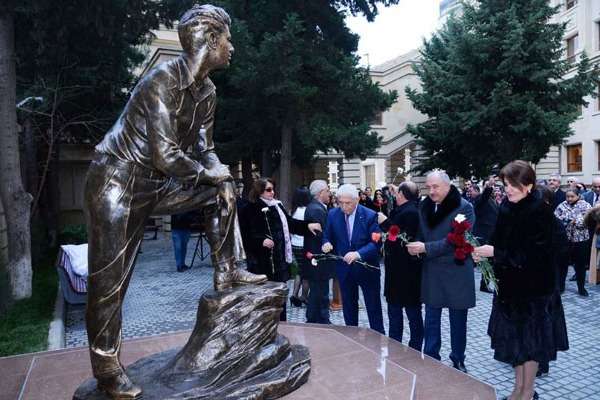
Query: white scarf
(286, 229)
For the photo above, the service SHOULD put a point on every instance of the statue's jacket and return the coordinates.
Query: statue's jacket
(167, 114)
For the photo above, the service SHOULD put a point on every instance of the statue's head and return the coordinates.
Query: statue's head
(207, 26)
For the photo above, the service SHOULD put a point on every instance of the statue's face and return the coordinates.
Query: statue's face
(222, 49)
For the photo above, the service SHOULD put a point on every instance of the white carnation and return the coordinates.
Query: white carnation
(460, 218)
(265, 209)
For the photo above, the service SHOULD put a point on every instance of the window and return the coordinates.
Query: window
(598, 35)
(369, 175)
(332, 168)
(597, 156)
(574, 158)
(571, 3)
(572, 45)
(378, 120)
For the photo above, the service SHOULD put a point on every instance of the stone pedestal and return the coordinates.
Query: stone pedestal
(234, 352)
(347, 363)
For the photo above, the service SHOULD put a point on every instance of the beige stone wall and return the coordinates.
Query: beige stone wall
(583, 21)
(3, 238)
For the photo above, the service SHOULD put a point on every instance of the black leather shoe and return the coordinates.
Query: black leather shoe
(460, 366)
(583, 293)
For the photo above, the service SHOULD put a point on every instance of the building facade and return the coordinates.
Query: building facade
(579, 156)
(397, 154)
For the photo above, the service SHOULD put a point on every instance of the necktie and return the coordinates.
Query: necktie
(348, 227)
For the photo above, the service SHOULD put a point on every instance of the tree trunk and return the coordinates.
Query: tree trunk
(15, 200)
(51, 189)
(30, 155)
(247, 177)
(285, 167)
(266, 167)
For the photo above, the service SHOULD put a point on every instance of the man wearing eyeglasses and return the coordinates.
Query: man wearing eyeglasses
(593, 195)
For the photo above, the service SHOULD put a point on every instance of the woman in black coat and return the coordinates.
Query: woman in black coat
(402, 288)
(270, 229)
(523, 327)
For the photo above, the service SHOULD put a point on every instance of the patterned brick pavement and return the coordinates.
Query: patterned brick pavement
(160, 300)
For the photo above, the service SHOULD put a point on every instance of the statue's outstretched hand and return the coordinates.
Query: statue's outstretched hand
(215, 176)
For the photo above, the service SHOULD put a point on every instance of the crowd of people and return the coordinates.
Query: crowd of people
(530, 230)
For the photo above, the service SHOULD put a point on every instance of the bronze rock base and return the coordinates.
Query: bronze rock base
(234, 352)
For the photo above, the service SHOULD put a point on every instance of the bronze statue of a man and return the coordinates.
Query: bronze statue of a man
(159, 158)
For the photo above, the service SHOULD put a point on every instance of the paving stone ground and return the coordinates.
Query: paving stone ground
(160, 300)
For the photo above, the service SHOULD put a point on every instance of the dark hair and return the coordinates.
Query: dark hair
(577, 191)
(301, 198)
(518, 173)
(408, 193)
(476, 187)
(547, 194)
(258, 187)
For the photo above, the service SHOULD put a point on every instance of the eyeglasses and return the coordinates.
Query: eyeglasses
(269, 189)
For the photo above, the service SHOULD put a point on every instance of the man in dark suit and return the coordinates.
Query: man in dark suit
(317, 310)
(402, 271)
(348, 233)
(554, 182)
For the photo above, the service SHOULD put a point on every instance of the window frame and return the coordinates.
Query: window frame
(579, 162)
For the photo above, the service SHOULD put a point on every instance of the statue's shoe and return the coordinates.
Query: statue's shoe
(227, 279)
(120, 387)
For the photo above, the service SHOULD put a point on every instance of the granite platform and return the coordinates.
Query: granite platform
(348, 363)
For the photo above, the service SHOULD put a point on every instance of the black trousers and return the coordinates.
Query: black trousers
(579, 256)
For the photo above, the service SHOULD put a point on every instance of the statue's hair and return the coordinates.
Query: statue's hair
(207, 17)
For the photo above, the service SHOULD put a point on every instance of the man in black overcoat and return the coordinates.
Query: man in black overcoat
(402, 288)
(317, 310)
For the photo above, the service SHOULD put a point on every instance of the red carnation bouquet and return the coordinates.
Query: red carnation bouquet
(464, 243)
(462, 248)
(393, 234)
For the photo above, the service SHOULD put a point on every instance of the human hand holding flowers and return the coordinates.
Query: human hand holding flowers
(465, 243)
(484, 251)
(351, 256)
(415, 248)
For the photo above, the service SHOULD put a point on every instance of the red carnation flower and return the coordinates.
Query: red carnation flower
(309, 255)
(460, 254)
(393, 233)
(376, 237)
(468, 248)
